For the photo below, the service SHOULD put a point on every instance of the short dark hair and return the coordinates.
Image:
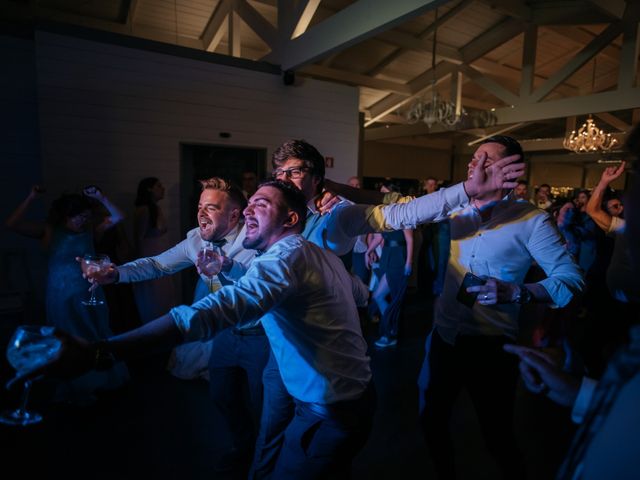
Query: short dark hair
(510, 144)
(67, 206)
(302, 150)
(523, 182)
(235, 194)
(293, 197)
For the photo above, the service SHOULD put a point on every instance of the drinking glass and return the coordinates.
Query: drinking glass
(93, 265)
(30, 347)
(209, 262)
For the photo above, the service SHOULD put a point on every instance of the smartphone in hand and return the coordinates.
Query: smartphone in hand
(469, 280)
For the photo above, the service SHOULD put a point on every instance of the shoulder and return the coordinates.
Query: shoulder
(193, 233)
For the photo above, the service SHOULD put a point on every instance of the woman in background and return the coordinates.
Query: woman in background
(153, 297)
(393, 273)
(71, 231)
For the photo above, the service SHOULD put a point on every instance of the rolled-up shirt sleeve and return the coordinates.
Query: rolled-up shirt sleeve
(167, 263)
(268, 282)
(564, 276)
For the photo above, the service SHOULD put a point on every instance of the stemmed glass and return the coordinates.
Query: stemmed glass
(92, 265)
(30, 347)
(209, 263)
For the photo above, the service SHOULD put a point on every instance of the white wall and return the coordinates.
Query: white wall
(111, 115)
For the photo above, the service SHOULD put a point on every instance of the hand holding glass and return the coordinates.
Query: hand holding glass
(30, 347)
(92, 266)
(209, 262)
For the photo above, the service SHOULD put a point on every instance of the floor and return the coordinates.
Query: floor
(162, 427)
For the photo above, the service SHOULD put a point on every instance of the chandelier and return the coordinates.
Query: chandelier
(589, 138)
(435, 110)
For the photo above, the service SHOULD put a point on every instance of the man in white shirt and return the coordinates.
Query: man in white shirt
(306, 301)
(496, 237)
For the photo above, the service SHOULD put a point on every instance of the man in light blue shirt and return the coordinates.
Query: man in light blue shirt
(233, 358)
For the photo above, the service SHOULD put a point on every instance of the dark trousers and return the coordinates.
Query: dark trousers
(490, 375)
(321, 441)
(277, 411)
(235, 369)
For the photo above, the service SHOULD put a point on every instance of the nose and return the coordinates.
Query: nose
(248, 209)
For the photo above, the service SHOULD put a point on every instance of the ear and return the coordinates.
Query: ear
(291, 220)
(316, 180)
(235, 214)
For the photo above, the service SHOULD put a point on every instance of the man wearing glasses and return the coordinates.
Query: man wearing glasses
(299, 163)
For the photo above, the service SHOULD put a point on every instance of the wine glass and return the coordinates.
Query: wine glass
(30, 347)
(93, 265)
(209, 263)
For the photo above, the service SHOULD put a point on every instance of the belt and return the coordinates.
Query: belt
(256, 330)
(345, 407)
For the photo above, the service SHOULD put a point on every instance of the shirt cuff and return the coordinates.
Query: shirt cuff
(191, 323)
(123, 275)
(583, 399)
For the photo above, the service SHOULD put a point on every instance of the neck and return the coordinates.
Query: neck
(480, 202)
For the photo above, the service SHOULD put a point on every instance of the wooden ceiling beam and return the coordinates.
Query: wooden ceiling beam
(597, 44)
(614, 121)
(257, 23)
(304, 13)
(582, 37)
(495, 36)
(356, 79)
(357, 22)
(425, 33)
(216, 26)
(411, 42)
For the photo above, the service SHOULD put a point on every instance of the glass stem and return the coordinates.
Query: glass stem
(92, 300)
(25, 397)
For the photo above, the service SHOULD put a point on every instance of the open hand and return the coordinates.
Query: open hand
(502, 174)
(542, 375)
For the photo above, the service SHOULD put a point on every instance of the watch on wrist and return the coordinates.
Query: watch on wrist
(103, 359)
(524, 296)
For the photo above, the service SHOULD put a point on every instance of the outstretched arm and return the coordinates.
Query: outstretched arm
(594, 205)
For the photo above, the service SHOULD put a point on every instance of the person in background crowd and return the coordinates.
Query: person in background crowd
(606, 445)
(354, 182)
(249, 183)
(70, 231)
(543, 198)
(522, 190)
(150, 234)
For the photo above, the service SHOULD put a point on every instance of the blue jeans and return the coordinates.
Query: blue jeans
(277, 411)
(322, 440)
(238, 360)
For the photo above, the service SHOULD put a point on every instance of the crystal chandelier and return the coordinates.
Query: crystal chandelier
(437, 109)
(589, 138)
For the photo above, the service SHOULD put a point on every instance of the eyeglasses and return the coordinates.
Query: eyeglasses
(294, 173)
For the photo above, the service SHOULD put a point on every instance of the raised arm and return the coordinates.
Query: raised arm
(408, 237)
(594, 205)
(115, 214)
(17, 222)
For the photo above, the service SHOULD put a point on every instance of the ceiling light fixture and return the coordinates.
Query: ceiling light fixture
(589, 138)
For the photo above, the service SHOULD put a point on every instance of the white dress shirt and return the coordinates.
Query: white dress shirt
(306, 301)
